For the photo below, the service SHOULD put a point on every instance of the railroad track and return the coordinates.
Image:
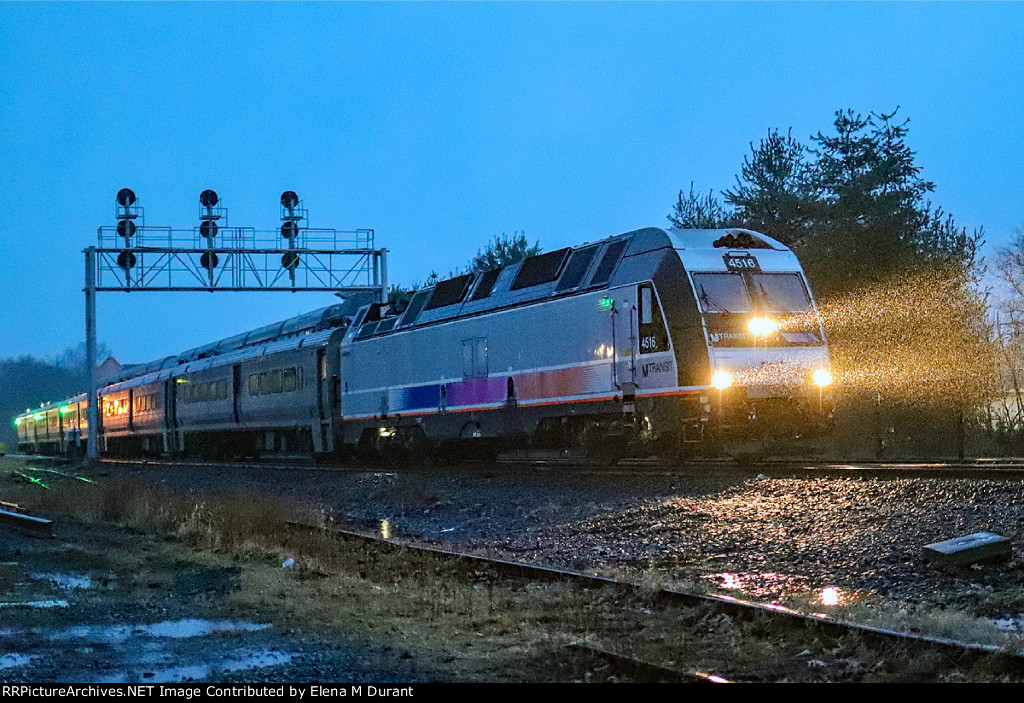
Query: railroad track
(767, 618)
(1005, 469)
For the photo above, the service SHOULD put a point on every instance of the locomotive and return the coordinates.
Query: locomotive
(669, 342)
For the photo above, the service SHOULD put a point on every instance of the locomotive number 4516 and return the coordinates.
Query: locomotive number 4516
(741, 262)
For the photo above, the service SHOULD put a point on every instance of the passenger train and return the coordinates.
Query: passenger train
(668, 342)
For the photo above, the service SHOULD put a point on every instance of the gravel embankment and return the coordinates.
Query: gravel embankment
(768, 538)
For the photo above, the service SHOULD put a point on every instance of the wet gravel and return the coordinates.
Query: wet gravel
(774, 538)
(762, 537)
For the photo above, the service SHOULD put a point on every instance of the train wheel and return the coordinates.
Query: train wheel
(419, 450)
(604, 447)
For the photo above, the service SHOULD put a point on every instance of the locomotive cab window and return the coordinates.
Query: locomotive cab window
(722, 292)
(782, 292)
(653, 336)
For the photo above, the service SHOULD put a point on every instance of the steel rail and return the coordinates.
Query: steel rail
(774, 469)
(29, 524)
(644, 670)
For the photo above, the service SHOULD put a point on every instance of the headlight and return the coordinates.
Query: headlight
(722, 379)
(762, 326)
(822, 378)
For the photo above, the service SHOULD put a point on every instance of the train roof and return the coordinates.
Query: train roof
(587, 267)
(327, 318)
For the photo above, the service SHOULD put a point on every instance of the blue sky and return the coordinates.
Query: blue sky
(442, 125)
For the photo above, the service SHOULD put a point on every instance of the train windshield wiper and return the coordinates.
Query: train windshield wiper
(708, 303)
(778, 307)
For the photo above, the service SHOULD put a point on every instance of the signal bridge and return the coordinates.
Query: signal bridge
(212, 256)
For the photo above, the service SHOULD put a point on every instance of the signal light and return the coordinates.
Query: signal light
(208, 260)
(208, 228)
(290, 260)
(289, 230)
(125, 197)
(289, 199)
(208, 198)
(126, 259)
(126, 228)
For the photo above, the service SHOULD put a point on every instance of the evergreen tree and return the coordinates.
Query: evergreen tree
(695, 211)
(503, 251)
(895, 277)
(773, 192)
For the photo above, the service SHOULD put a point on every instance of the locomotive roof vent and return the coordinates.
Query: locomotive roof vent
(741, 240)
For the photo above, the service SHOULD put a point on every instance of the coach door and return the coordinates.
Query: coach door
(322, 427)
(170, 416)
(131, 409)
(236, 390)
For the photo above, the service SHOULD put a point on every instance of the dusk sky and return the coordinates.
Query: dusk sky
(443, 125)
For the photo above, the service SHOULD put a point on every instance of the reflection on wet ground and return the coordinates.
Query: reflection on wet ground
(14, 660)
(151, 652)
(786, 588)
(65, 582)
(50, 603)
(173, 629)
(238, 660)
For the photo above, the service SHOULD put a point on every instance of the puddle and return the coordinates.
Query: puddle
(174, 629)
(37, 604)
(13, 660)
(779, 586)
(1010, 623)
(238, 660)
(762, 585)
(65, 582)
(260, 659)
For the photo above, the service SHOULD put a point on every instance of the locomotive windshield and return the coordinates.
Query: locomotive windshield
(781, 292)
(722, 292)
(730, 293)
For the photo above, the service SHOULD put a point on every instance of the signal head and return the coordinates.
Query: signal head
(125, 197)
(289, 229)
(209, 260)
(208, 198)
(289, 199)
(126, 260)
(208, 228)
(126, 228)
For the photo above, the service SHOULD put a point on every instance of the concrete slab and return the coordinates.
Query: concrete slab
(969, 549)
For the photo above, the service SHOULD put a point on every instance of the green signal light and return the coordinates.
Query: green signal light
(606, 303)
(37, 416)
(17, 422)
